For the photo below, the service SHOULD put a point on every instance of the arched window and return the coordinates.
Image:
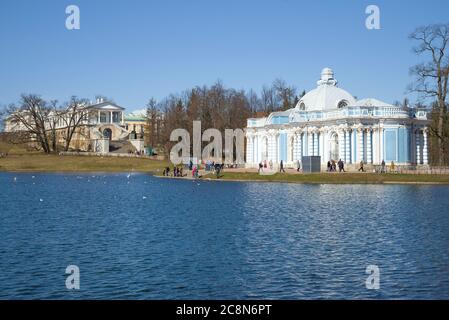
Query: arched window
(302, 106)
(342, 104)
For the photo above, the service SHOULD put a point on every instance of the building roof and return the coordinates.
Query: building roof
(326, 96)
(370, 102)
(107, 105)
(137, 115)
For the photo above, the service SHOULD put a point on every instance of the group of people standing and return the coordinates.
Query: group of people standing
(177, 172)
(264, 164)
(332, 166)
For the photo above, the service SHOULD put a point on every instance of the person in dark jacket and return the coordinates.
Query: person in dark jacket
(282, 167)
(341, 166)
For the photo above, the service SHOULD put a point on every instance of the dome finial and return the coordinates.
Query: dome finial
(327, 77)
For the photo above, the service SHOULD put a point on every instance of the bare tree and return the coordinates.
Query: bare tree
(30, 120)
(432, 76)
(52, 124)
(73, 116)
(152, 119)
(285, 93)
(254, 101)
(268, 98)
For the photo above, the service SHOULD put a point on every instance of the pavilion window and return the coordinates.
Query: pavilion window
(103, 117)
(115, 117)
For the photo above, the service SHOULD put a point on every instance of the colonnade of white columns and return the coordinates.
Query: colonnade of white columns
(355, 144)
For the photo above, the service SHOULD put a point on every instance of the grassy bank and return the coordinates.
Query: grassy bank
(48, 163)
(352, 178)
(38, 162)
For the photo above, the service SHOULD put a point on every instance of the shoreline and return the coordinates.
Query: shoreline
(52, 163)
(388, 182)
(205, 178)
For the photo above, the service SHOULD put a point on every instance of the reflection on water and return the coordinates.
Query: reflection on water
(149, 238)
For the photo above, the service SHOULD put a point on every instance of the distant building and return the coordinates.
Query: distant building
(329, 122)
(105, 120)
(135, 122)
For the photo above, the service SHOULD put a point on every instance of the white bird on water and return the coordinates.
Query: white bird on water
(129, 175)
(15, 179)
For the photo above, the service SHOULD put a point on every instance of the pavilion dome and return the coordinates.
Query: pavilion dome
(326, 96)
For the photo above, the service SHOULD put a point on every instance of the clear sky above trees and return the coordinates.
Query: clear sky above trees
(133, 50)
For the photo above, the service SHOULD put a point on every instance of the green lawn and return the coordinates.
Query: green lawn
(21, 160)
(352, 178)
(47, 163)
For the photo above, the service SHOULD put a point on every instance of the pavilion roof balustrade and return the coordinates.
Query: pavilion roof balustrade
(348, 112)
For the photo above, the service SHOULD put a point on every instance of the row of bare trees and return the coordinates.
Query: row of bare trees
(45, 123)
(216, 107)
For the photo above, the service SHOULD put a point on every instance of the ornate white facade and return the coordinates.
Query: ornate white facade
(329, 122)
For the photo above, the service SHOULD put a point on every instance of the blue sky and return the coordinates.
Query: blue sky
(133, 50)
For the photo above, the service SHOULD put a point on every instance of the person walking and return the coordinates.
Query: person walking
(361, 166)
(333, 166)
(382, 169)
(341, 165)
(282, 166)
(298, 165)
(217, 170)
(260, 167)
(328, 166)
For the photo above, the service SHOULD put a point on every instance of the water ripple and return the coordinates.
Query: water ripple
(149, 238)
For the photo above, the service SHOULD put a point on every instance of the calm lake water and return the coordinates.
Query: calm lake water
(148, 238)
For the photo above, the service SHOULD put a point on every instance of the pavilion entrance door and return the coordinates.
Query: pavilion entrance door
(107, 133)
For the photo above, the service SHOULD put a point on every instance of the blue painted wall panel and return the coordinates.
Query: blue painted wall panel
(283, 147)
(390, 143)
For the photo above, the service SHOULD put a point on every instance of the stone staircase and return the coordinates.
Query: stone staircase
(123, 146)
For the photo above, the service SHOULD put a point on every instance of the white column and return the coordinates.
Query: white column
(347, 146)
(418, 147)
(110, 112)
(315, 143)
(424, 149)
(249, 150)
(381, 144)
(276, 148)
(99, 116)
(256, 149)
(325, 146)
(360, 145)
(369, 158)
(292, 138)
(341, 145)
(123, 118)
(374, 147)
(321, 146)
(310, 144)
(352, 137)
